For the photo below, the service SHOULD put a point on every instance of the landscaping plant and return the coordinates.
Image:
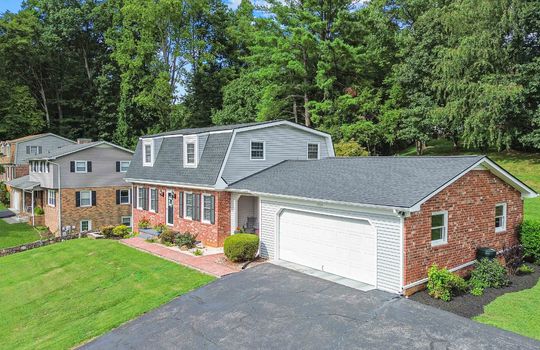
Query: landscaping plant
(38, 211)
(160, 227)
(168, 237)
(525, 270)
(144, 223)
(121, 231)
(443, 284)
(487, 274)
(241, 247)
(186, 239)
(530, 239)
(197, 252)
(107, 231)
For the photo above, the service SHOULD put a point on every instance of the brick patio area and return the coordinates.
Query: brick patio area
(206, 264)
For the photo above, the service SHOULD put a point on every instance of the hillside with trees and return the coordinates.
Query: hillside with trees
(379, 74)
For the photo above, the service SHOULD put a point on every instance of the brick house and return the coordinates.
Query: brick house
(14, 154)
(380, 221)
(80, 188)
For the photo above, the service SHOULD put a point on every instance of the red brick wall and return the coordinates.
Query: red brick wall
(212, 235)
(470, 202)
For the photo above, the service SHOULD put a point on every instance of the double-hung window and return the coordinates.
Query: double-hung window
(148, 153)
(208, 209)
(313, 151)
(124, 196)
(189, 205)
(439, 228)
(86, 225)
(500, 217)
(140, 197)
(257, 150)
(81, 166)
(153, 200)
(86, 198)
(190, 151)
(126, 220)
(51, 198)
(124, 165)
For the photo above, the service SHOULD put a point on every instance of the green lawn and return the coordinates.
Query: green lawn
(2, 206)
(516, 312)
(64, 294)
(16, 234)
(525, 166)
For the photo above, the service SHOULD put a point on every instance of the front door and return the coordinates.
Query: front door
(170, 207)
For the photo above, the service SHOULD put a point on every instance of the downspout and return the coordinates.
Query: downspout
(59, 197)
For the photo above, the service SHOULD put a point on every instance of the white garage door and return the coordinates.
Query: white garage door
(337, 245)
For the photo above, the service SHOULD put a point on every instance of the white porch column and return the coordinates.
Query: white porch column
(234, 211)
(23, 193)
(33, 219)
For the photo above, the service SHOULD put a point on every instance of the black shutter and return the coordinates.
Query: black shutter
(94, 198)
(134, 193)
(157, 200)
(27, 149)
(77, 199)
(117, 197)
(145, 199)
(117, 166)
(181, 204)
(89, 167)
(212, 209)
(72, 166)
(197, 207)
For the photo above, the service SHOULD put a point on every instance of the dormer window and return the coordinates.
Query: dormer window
(257, 150)
(148, 153)
(190, 151)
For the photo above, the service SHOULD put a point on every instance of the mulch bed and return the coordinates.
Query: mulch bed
(469, 306)
(238, 265)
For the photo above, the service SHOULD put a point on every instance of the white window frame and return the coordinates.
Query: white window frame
(251, 149)
(318, 150)
(51, 194)
(126, 217)
(186, 194)
(89, 225)
(128, 197)
(124, 162)
(444, 239)
(151, 144)
(85, 166)
(203, 219)
(150, 199)
(36, 150)
(504, 217)
(191, 139)
(81, 199)
(139, 198)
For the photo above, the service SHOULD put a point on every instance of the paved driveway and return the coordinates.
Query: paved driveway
(270, 307)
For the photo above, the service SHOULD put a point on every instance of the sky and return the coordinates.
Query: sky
(15, 5)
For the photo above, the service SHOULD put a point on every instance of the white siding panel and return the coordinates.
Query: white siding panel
(388, 238)
(281, 143)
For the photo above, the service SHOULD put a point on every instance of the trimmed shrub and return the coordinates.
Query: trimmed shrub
(107, 231)
(443, 284)
(168, 237)
(39, 211)
(530, 239)
(241, 247)
(525, 270)
(121, 231)
(186, 239)
(487, 274)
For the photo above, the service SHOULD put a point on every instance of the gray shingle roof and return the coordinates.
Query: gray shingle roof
(23, 183)
(383, 181)
(168, 165)
(192, 131)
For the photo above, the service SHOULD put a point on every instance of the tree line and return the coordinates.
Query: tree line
(380, 74)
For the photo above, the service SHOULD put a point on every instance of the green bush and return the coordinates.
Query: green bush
(4, 194)
(487, 274)
(241, 247)
(197, 252)
(349, 149)
(186, 239)
(38, 211)
(107, 231)
(121, 231)
(160, 227)
(168, 236)
(443, 284)
(144, 223)
(525, 270)
(530, 239)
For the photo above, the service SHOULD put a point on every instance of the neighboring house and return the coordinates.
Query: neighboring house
(379, 220)
(80, 187)
(14, 154)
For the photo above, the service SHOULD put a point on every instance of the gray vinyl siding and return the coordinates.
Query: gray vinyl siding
(45, 179)
(281, 143)
(388, 238)
(103, 158)
(47, 142)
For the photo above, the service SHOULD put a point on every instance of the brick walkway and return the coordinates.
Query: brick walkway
(206, 264)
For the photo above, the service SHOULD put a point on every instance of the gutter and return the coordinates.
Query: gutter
(59, 197)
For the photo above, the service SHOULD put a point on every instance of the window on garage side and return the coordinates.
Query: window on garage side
(500, 217)
(257, 150)
(313, 151)
(439, 228)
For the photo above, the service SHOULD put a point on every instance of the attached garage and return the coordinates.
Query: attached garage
(335, 244)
